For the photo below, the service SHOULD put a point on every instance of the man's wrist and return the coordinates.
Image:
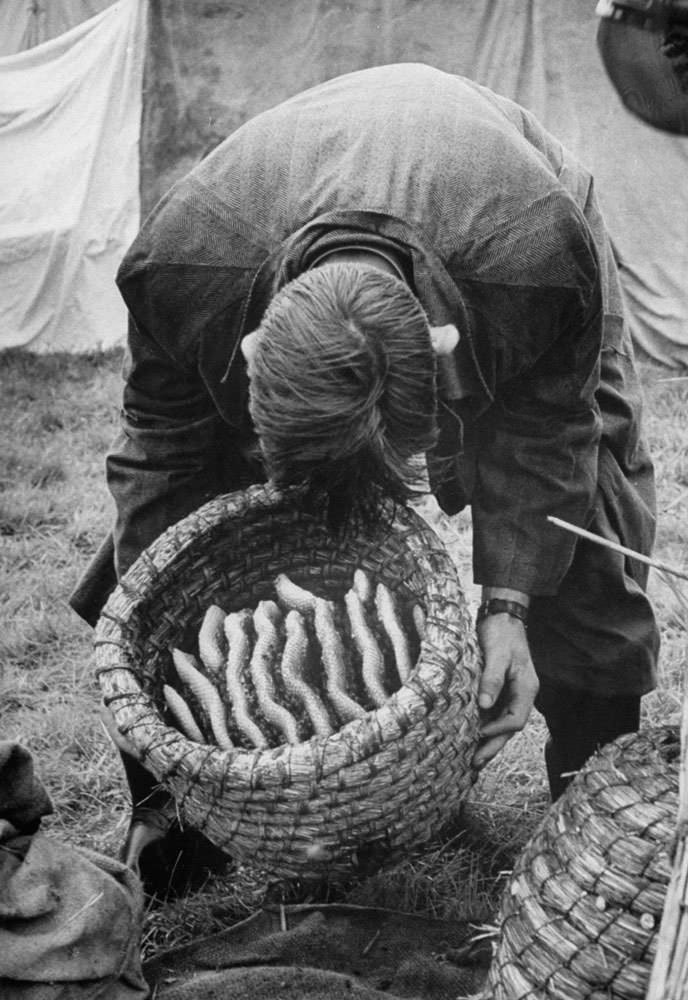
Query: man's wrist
(503, 600)
(505, 594)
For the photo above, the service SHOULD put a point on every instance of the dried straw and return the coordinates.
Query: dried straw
(378, 785)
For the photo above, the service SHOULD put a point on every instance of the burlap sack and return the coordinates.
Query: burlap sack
(70, 919)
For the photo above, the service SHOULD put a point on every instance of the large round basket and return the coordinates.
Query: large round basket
(381, 783)
(580, 914)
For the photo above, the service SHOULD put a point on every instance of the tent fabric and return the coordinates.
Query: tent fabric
(69, 128)
(70, 112)
(25, 23)
(213, 65)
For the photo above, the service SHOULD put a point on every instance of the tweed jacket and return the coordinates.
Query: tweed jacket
(502, 236)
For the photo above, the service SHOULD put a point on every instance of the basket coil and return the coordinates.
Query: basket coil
(580, 914)
(389, 780)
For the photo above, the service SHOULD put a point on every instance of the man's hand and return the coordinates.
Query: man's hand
(508, 684)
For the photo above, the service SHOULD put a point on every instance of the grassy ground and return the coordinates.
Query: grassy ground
(57, 416)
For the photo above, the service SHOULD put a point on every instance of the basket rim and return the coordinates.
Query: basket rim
(139, 720)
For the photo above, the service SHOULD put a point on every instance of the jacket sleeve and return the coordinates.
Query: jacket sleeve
(539, 439)
(166, 460)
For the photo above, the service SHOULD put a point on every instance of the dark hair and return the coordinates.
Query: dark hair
(343, 388)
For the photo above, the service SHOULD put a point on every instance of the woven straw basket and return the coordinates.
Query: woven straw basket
(384, 782)
(580, 914)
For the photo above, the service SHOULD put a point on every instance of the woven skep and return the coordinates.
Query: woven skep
(379, 784)
(580, 913)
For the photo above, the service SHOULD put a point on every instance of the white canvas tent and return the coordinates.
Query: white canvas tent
(70, 114)
(77, 141)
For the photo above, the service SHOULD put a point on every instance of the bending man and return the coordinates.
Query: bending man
(404, 262)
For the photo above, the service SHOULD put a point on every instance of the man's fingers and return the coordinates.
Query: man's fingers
(491, 683)
(508, 722)
(486, 751)
(515, 714)
(507, 687)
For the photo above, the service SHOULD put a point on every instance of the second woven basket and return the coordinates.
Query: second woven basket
(581, 911)
(380, 784)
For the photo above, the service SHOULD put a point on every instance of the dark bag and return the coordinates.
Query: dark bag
(70, 919)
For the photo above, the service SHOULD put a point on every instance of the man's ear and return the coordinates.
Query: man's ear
(444, 338)
(248, 345)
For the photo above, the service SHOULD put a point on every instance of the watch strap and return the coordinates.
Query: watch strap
(500, 606)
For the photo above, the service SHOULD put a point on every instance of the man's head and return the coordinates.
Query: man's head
(343, 393)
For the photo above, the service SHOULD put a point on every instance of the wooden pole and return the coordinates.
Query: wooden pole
(608, 544)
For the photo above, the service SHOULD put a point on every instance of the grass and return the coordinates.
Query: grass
(58, 417)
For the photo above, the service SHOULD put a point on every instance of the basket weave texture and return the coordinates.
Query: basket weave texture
(580, 914)
(381, 783)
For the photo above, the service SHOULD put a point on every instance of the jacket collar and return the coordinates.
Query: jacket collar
(460, 374)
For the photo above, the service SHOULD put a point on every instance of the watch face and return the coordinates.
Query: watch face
(649, 69)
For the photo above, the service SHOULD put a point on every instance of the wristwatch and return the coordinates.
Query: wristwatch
(499, 606)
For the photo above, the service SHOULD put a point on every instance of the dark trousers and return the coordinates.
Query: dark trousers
(579, 723)
(145, 791)
(169, 859)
